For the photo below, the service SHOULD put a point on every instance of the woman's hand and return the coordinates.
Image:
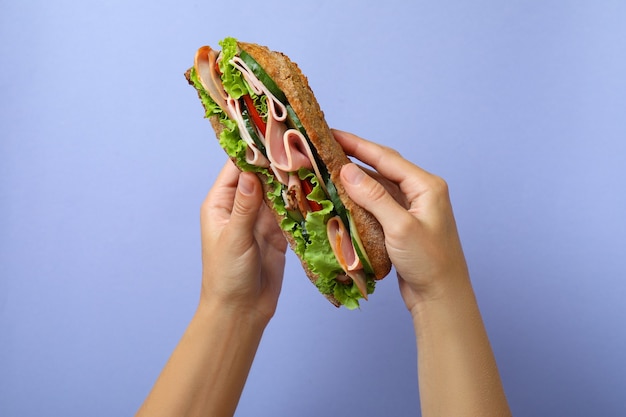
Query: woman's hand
(414, 209)
(243, 249)
(457, 371)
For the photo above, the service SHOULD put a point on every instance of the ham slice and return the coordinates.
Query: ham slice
(287, 149)
(204, 63)
(346, 255)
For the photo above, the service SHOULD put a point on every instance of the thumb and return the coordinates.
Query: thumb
(372, 196)
(248, 199)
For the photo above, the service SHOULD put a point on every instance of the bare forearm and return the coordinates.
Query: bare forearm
(457, 370)
(207, 371)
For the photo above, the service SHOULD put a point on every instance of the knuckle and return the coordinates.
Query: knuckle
(438, 186)
(392, 151)
(400, 228)
(376, 192)
(243, 206)
(441, 194)
(388, 152)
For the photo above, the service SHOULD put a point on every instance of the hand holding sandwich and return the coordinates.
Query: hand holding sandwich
(243, 257)
(243, 250)
(415, 212)
(457, 371)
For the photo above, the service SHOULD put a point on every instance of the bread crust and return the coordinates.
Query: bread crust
(294, 84)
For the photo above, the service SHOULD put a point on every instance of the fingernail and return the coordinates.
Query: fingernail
(246, 185)
(352, 174)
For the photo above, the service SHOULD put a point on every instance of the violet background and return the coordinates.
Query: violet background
(105, 159)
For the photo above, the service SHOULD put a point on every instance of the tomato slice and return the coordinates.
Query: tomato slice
(307, 187)
(254, 114)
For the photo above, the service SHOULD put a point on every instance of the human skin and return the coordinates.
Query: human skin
(457, 371)
(243, 255)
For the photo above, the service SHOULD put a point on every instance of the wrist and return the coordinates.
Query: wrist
(449, 314)
(455, 356)
(441, 294)
(212, 309)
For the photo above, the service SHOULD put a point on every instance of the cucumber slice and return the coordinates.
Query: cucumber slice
(252, 131)
(262, 76)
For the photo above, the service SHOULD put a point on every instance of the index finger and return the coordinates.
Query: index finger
(384, 159)
(387, 161)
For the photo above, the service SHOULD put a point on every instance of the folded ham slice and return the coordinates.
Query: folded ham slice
(346, 255)
(287, 149)
(204, 63)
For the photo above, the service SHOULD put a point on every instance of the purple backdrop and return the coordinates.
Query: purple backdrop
(105, 159)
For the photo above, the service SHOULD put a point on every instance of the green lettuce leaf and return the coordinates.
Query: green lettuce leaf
(232, 79)
(211, 108)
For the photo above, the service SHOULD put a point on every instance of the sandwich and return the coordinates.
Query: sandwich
(268, 121)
